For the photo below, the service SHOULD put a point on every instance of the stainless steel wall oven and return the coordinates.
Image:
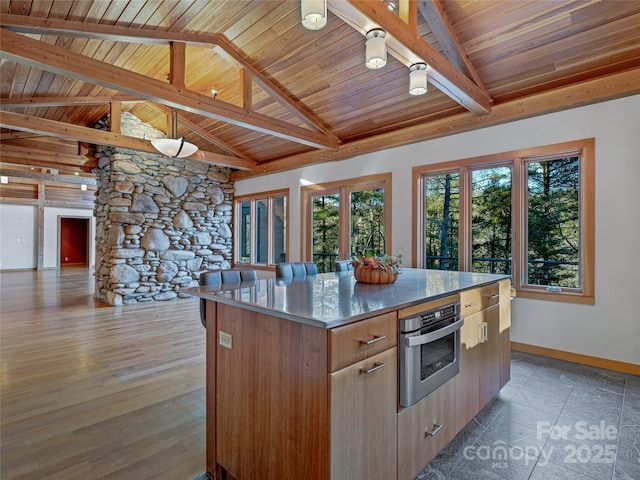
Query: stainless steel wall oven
(429, 345)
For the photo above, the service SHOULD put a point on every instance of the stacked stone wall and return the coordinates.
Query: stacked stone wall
(160, 221)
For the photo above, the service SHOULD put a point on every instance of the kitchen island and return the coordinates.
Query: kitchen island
(296, 387)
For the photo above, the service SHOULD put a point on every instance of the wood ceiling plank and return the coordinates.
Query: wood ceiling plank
(584, 93)
(43, 126)
(409, 49)
(67, 28)
(33, 52)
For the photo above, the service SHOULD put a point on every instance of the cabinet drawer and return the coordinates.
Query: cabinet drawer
(355, 342)
(477, 299)
(424, 429)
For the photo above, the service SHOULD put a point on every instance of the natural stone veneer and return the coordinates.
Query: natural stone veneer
(160, 221)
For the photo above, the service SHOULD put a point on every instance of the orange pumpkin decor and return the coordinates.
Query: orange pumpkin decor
(366, 274)
(372, 268)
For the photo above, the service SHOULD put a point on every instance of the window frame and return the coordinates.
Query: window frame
(253, 198)
(344, 188)
(517, 160)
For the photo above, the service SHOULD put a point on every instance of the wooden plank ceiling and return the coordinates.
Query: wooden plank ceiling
(288, 96)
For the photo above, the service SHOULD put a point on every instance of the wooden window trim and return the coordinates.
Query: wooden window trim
(269, 196)
(517, 160)
(342, 187)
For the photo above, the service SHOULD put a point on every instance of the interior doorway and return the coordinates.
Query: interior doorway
(74, 241)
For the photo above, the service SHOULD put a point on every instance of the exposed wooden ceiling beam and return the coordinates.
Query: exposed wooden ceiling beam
(17, 135)
(27, 176)
(408, 12)
(43, 126)
(50, 26)
(177, 71)
(116, 33)
(409, 48)
(246, 82)
(576, 95)
(55, 59)
(16, 151)
(115, 117)
(10, 159)
(38, 102)
(274, 90)
(446, 36)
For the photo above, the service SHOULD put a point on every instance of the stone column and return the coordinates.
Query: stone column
(160, 221)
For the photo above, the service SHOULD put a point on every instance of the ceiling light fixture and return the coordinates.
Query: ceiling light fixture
(314, 13)
(418, 79)
(376, 49)
(174, 147)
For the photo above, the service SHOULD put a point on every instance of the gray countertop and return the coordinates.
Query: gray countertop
(329, 300)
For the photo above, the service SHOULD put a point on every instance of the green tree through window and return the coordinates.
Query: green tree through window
(527, 213)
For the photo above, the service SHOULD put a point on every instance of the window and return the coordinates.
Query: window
(341, 218)
(528, 214)
(442, 220)
(261, 226)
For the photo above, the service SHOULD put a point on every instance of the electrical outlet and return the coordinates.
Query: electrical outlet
(225, 339)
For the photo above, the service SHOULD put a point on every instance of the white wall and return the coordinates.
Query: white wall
(19, 235)
(610, 328)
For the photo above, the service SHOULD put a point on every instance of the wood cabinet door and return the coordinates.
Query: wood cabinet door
(467, 394)
(489, 373)
(424, 429)
(363, 410)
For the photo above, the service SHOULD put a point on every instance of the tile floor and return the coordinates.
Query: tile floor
(554, 420)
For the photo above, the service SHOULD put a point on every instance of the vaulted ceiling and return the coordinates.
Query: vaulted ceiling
(288, 96)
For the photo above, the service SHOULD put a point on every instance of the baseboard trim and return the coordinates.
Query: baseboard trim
(615, 365)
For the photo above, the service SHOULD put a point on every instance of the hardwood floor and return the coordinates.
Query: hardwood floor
(90, 391)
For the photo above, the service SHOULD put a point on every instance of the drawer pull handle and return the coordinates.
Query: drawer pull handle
(472, 304)
(436, 429)
(375, 339)
(376, 366)
(495, 295)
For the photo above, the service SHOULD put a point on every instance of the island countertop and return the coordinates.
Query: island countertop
(329, 300)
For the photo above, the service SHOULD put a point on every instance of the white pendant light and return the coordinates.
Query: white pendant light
(376, 49)
(174, 147)
(418, 79)
(314, 13)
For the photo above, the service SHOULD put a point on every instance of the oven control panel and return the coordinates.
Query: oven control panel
(428, 318)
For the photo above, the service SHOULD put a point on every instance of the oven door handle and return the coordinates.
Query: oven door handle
(433, 336)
